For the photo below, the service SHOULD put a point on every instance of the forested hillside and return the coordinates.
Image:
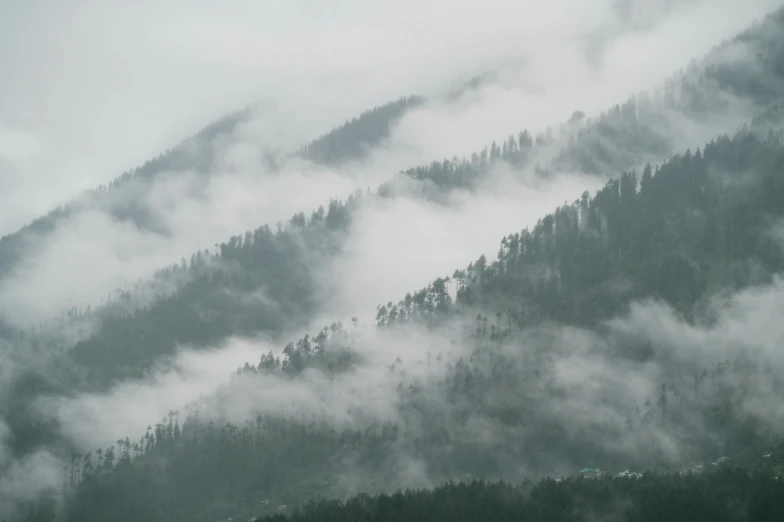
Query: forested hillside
(503, 406)
(729, 495)
(696, 224)
(126, 197)
(739, 77)
(121, 197)
(703, 99)
(622, 331)
(355, 138)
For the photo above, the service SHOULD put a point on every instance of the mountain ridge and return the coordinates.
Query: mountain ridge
(616, 331)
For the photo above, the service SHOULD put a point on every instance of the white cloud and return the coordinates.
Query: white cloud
(400, 245)
(93, 420)
(28, 478)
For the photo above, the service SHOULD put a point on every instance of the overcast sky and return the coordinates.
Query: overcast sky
(93, 87)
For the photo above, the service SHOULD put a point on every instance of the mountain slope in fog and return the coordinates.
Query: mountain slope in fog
(522, 375)
(352, 140)
(565, 297)
(126, 198)
(118, 198)
(691, 107)
(251, 268)
(263, 281)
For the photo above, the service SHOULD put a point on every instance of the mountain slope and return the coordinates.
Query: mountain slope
(740, 77)
(504, 408)
(194, 152)
(651, 497)
(250, 293)
(705, 220)
(356, 137)
(126, 198)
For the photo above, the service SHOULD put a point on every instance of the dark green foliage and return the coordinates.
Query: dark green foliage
(260, 282)
(694, 226)
(355, 138)
(700, 223)
(203, 472)
(731, 495)
(211, 472)
(694, 217)
(697, 225)
(515, 151)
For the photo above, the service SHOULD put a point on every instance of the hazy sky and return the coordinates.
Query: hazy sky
(92, 87)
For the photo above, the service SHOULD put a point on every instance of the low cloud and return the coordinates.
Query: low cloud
(586, 388)
(28, 479)
(532, 90)
(100, 109)
(399, 245)
(90, 421)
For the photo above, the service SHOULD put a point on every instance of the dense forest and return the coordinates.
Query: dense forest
(579, 266)
(355, 138)
(680, 231)
(643, 129)
(486, 388)
(728, 495)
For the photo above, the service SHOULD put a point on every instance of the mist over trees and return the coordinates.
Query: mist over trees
(579, 266)
(618, 332)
